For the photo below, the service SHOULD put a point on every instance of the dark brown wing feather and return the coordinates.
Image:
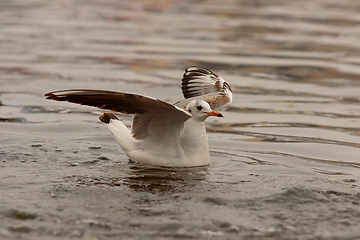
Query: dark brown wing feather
(115, 101)
(202, 84)
(198, 81)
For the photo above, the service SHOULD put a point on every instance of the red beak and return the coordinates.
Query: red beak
(214, 113)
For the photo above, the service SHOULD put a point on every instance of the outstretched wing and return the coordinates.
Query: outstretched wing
(151, 116)
(203, 84)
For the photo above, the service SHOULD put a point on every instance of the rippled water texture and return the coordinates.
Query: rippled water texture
(285, 158)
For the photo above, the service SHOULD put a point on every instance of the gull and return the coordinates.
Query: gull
(162, 134)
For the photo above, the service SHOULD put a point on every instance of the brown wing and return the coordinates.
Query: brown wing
(150, 113)
(202, 84)
(115, 101)
(198, 81)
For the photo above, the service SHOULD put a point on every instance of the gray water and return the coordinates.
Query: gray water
(284, 159)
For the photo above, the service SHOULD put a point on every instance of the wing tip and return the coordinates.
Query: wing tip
(197, 70)
(51, 96)
(58, 95)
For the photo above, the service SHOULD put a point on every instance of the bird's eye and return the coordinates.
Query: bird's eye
(199, 108)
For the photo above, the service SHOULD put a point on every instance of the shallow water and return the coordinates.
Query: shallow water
(285, 158)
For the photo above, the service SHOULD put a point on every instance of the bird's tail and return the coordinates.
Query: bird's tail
(120, 132)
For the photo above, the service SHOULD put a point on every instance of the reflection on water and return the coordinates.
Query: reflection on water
(164, 180)
(288, 143)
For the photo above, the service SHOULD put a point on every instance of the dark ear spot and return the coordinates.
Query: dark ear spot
(199, 108)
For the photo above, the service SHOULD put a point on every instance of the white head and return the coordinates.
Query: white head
(200, 110)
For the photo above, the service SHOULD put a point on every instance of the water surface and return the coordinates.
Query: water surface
(284, 160)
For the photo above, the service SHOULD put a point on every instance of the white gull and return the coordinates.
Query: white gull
(161, 133)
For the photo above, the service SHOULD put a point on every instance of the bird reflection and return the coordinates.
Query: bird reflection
(156, 179)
